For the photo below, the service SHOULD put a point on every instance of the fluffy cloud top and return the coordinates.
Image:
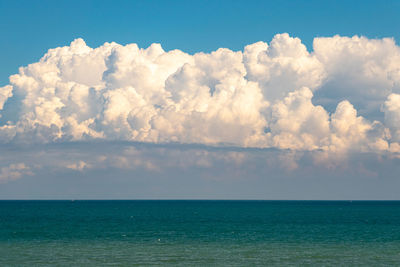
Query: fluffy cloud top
(273, 95)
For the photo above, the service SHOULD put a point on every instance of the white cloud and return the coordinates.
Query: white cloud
(282, 67)
(361, 70)
(273, 95)
(296, 123)
(391, 109)
(5, 93)
(78, 166)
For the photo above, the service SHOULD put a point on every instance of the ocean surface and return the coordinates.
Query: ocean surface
(199, 233)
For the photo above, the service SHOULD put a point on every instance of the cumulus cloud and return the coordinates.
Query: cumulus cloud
(342, 96)
(361, 70)
(391, 110)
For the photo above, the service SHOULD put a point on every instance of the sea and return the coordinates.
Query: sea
(199, 233)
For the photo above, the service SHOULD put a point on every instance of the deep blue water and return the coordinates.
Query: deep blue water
(200, 233)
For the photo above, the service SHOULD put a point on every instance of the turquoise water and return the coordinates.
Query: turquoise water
(199, 233)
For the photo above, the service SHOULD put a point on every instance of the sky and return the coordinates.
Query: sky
(199, 100)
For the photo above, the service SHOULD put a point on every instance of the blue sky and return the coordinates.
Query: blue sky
(29, 28)
(277, 120)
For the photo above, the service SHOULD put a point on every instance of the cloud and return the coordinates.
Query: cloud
(343, 96)
(87, 160)
(78, 166)
(14, 171)
(295, 123)
(5, 93)
(391, 109)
